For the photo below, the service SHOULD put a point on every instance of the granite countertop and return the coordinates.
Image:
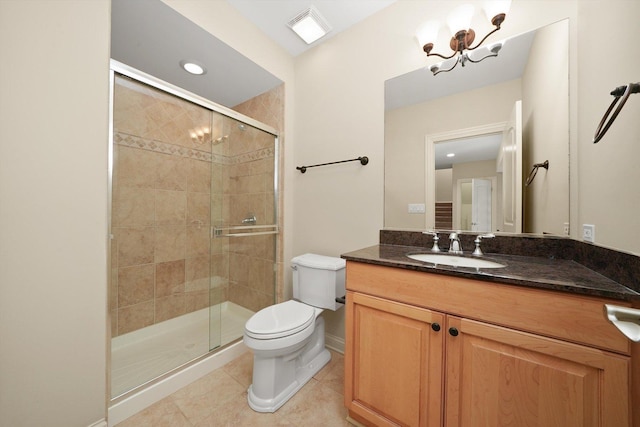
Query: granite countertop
(535, 272)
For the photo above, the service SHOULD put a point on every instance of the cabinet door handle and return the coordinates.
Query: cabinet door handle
(435, 326)
(453, 332)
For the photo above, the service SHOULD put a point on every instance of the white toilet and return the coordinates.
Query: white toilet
(287, 339)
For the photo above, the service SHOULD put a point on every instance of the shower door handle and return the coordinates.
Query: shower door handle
(244, 230)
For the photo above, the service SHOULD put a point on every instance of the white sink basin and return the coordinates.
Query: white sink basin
(456, 261)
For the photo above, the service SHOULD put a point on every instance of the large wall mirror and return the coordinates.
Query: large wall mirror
(495, 120)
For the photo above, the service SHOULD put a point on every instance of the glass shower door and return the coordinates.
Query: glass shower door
(193, 226)
(160, 222)
(244, 234)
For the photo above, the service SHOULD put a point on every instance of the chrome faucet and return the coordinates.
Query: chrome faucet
(435, 247)
(477, 251)
(455, 246)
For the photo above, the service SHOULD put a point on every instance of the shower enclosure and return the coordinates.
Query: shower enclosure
(193, 227)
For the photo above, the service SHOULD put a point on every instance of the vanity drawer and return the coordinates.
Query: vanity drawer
(566, 316)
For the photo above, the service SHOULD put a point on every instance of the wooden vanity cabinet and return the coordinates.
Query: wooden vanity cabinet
(434, 350)
(395, 363)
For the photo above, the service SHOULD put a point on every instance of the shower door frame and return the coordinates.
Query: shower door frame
(142, 77)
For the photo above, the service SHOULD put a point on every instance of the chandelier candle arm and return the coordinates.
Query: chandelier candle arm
(463, 39)
(496, 21)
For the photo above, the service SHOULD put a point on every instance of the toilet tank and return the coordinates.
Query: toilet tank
(318, 280)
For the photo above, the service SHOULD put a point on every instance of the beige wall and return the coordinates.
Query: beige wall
(608, 172)
(54, 117)
(480, 169)
(545, 117)
(444, 187)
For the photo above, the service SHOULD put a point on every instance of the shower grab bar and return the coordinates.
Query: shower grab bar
(219, 231)
(363, 161)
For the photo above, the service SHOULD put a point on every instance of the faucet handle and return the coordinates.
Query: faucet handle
(455, 246)
(477, 250)
(433, 233)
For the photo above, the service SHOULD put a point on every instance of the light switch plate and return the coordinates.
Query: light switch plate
(416, 208)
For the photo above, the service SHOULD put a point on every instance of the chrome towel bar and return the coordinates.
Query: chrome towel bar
(245, 230)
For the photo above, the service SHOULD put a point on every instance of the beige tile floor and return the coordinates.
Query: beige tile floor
(220, 399)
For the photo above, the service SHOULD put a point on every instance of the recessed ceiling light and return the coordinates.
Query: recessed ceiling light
(309, 25)
(193, 67)
(451, 155)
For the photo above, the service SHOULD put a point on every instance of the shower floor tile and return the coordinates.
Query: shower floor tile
(141, 356)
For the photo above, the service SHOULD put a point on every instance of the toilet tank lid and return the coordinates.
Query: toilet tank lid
(319, 261)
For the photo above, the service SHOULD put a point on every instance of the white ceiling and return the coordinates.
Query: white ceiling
(466, 150)
(152, 37)
(271, 16)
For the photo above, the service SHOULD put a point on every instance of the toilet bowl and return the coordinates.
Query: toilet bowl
(287, 339)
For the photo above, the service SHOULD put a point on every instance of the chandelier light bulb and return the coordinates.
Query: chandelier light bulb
(460, 18)
(428, 32)
(493, 8)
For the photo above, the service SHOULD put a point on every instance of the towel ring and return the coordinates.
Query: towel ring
(534, 171)
(621, 94)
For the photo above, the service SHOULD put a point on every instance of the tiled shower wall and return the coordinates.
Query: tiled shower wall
(166, 194)
(267, 108)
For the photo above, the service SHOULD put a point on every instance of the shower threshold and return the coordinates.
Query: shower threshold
(140, 356)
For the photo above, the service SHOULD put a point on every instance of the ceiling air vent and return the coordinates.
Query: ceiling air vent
(309, 25)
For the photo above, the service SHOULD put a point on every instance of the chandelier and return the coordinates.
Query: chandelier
(463, 36)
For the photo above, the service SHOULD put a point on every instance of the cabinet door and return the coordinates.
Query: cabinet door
(499, 377)
(393, 363)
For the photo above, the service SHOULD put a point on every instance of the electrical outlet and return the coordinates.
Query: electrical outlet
(416, 208)
(589, 233)
(565, 229)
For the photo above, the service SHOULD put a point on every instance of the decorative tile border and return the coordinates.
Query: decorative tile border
(254, 155)
(127, 140)
(160, 147)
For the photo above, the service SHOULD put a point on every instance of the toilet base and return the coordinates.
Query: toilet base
(279, 374)
(302, 376)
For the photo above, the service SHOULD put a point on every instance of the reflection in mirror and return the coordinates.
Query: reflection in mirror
(466, 185)
(423, 111)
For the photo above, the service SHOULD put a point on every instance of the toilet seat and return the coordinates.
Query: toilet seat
(280, 320)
